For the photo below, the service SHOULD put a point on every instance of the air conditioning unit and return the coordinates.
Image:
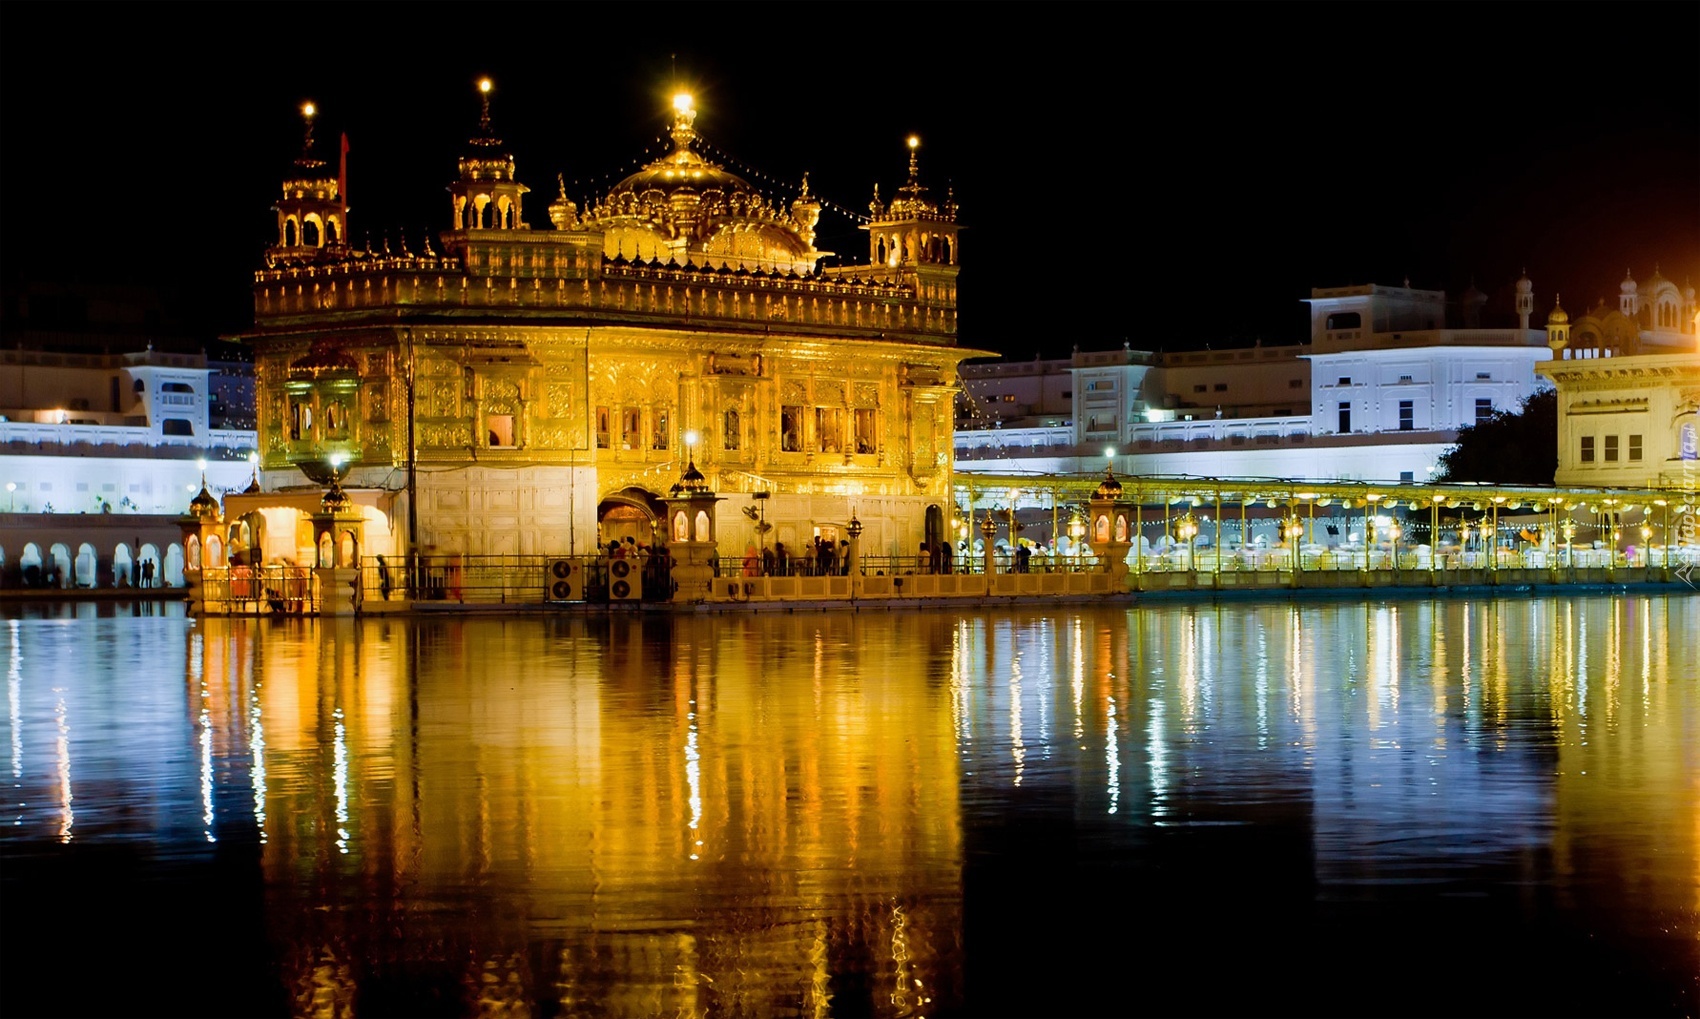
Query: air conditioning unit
(624, 583)
(563, 580)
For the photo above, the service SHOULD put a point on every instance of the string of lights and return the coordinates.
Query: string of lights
(775, 189)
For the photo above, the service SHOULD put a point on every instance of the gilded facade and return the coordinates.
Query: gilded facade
(520, 390)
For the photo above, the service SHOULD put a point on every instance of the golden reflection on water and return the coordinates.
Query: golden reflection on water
(678, 817)
(637, 815)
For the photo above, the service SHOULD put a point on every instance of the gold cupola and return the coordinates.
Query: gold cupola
(913, 230)
(1558, 327)
(488, 195)
(312, 215)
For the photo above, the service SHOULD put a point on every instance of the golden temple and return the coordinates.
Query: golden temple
(520, 391)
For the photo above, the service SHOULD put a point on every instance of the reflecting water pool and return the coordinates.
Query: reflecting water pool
(1445, 806)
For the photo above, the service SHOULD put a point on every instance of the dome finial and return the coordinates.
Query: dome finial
(914, 159)
(308, 112)
(484, 87)
(684, 115)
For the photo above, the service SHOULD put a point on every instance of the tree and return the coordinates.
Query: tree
(1509, 447)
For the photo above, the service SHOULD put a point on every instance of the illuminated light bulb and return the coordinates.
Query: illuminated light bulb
(683, 102)
(485, 85)
(308, 109)
(914, 141)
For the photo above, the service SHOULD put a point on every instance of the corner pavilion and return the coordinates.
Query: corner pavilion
(526, 392)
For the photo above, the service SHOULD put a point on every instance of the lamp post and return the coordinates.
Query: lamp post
(1186, 529)
(854, 566)
(1293, 530)
(988, 531)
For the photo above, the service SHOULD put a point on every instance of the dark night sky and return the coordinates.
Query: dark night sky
(1173, 175)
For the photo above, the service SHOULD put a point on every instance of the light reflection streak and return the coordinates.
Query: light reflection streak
(1262, 688)
(14, 699)
(1158, 753)
(205, 724)
(693, 777)
(1189, 675)
(1043, 691)
(903, 967)
(1581, 661)
(1077, 679)
(62, 755)
(961, 702)
(1112, 756)
(1018, 746)
(257, 774)
(340, 756)
(1646, 650)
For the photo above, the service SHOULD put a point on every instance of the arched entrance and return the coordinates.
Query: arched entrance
(630, 513)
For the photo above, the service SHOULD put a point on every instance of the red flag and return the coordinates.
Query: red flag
(342, 180)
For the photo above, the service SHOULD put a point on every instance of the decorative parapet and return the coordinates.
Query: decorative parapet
(559, 277)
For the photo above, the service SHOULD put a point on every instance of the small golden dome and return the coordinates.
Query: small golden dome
(336, 500)
(691, 482)
(1558, 316)
(203, 506)
(1109, 488)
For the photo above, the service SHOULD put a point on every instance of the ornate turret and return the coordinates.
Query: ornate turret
(1558, 327)
(312, 215)
(1109, 488)
(562, 211)
(805, 211)
(912, 230)
(1525, 300)
(1628, 298)
(487, 196)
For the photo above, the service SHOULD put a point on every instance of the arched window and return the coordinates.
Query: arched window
(29, 565)
(330, 232)
(703, 531)
(310, 234)
(350, 551)
(194, 552)
(61, 565)
(85, 566)
(289, 233)
(173, 567)
(215, 552)
(123, 567)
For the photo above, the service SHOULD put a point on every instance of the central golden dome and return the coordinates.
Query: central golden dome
(682, 208)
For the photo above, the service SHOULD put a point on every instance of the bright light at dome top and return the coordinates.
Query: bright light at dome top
(914, 141)
(484, 85)
(308, 109)
(682, 102)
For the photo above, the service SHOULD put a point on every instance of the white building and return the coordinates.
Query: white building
(1378, 393)
(113, 433)
(1628, 383)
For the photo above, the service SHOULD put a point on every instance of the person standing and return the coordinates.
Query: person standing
(383, 578)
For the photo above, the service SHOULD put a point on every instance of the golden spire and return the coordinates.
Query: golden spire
(914, 160)
(684, 115)
(308, 112)
(484, 87)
